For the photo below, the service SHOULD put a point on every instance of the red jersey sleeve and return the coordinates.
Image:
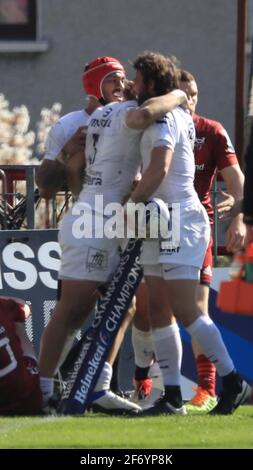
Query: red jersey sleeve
(224, 150)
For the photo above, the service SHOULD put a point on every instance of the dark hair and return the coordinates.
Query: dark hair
(185, 76)
(159, 68)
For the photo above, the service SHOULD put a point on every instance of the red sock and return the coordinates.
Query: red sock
(206, 374)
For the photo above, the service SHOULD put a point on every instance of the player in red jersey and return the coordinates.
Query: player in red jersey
(19, 378)
(213, 152)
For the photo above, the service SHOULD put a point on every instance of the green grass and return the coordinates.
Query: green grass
(99, 431)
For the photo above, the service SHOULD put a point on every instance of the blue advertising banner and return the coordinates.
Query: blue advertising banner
(29, 262)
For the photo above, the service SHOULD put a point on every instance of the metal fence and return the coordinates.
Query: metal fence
(20, 201)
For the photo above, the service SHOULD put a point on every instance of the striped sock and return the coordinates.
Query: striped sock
(206, 374)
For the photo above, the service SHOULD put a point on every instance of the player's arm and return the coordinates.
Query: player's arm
(234, 180)
(75, 168)
(248, 195)
(51, 173)
(68, 166)
(154, 109)
(228, 207)
(75, 164)
(155, 173)
(50, 178)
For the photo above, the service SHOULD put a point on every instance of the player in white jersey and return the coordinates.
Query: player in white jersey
(173, 265)
(102, 81)
(81, 271)
(176, 132)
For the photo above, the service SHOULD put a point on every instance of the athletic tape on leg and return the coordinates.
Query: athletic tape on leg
(109, 316)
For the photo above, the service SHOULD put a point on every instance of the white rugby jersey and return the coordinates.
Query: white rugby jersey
(62, 131)
(112, 154)
(177, 132)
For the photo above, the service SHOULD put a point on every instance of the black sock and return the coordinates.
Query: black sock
(141, 373)
(173, 395)
(232, 381)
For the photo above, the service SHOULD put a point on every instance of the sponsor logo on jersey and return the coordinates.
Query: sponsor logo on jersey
(168, 249)
(97, 260)
(199, 142)
(200, 167)
(191, 134)
(91, 180)
(100, 122)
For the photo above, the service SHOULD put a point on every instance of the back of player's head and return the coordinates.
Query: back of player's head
(159, 69)
(96, 71)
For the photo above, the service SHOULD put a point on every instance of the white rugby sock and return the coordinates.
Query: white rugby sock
(105, 377)
(206, 333)
(143, 347)
(168, 347)
(47, 388)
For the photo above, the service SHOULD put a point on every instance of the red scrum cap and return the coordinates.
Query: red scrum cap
(96, 71)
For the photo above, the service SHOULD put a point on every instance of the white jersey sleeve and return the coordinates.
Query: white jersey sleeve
(55, 142)
(122, 118)
(62, 131)
(164, 132)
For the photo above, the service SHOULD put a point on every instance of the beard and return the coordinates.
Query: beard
(143, 97)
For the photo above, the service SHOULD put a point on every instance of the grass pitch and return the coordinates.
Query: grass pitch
(95, 431)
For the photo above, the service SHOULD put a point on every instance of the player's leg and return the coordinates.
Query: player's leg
(167, 341)
(206, 334)
(143, 346)
(104, 399)
(205, 398)
(76, 301)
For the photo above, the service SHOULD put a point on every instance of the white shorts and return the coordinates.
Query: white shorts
(93, 259)
(170, 272)
(194, 238)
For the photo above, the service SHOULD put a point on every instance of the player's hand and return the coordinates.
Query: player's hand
(235, 236)
(182, 98)
(228, 207)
